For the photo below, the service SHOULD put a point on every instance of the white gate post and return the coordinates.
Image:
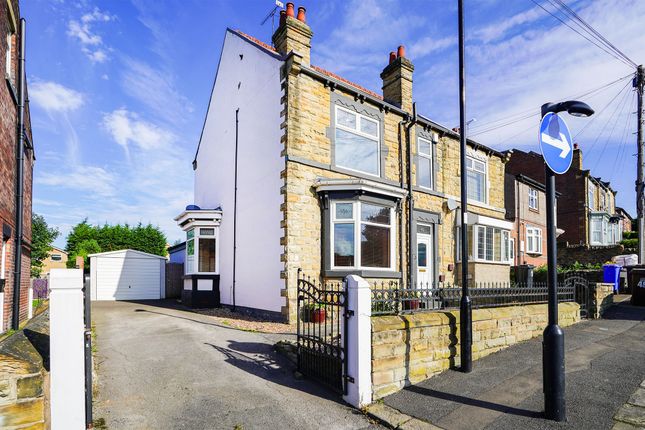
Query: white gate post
(359, 346)
(30, 300)
(67, 354)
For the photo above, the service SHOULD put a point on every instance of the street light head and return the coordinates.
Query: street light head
(580, 109)
(573, 107)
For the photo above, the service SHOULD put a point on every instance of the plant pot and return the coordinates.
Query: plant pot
(318, 316)
(411, 305)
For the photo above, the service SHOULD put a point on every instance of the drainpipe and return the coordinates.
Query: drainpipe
(20, 157)
(237, 121)
(411, 276)
(402, 182)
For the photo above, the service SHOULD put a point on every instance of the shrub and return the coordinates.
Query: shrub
(629, 243)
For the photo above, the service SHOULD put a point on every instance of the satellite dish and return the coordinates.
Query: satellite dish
(451, 204)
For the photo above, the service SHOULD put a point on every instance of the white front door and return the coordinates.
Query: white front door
(425, 258)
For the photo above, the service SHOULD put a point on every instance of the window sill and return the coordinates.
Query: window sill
(201, 276)
(496, 263)
(364, 273)
(428, 191)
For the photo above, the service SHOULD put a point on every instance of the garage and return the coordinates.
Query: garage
(127, 275)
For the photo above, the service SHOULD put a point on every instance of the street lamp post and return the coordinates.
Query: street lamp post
(553, 342)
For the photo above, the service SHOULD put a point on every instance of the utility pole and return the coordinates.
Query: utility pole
(465, 305)
(639, 82)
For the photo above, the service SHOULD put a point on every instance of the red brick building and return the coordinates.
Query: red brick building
(627, 219)
(9, 161)
(586, 209)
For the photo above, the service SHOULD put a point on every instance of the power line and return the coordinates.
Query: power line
(492, 125)
(622, 108)
(595, 32)
(623, 142)
(616, 56)
(599, 113)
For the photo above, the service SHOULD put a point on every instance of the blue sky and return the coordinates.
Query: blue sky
(119, 89)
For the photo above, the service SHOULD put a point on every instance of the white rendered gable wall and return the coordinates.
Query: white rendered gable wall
(252, 84)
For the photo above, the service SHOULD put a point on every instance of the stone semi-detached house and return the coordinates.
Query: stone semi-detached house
(9, 111)
(308, 171)
(587, 205)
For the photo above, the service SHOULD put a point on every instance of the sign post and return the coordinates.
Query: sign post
(556, 144)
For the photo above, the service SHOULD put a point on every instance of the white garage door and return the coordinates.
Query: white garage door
(131, 278)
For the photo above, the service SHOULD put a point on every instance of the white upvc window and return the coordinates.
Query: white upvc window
(533, 240)
(491, 244)
(591, 195)
(425, 166)
(596, 230)
(201, 250)
(9, 72)
(533, 198)
(357, 142)
(362, 236)
(476, 172)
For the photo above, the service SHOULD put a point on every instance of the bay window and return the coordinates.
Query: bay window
(533, 240)
(477, 180)
(357, 142)
(491, 244)
(201, 245)
(362, 235)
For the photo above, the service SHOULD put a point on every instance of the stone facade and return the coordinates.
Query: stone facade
(310, 95)
(408, 349)
(10, 24)
(602, 296)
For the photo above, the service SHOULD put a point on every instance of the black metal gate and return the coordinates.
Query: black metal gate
(87, 318)
(582, 294)
(322, 328)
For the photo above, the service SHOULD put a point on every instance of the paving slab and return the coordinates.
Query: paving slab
(604, 366)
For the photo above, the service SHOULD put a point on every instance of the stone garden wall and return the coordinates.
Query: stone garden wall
(24, 373)
(406, 349)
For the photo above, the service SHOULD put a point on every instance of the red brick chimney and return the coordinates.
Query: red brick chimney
(397, 80)
(576, 161)
(293, 34)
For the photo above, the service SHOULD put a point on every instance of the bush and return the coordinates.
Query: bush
(630, 235)
(629, 243)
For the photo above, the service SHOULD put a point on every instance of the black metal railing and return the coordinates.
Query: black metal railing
(388, 298)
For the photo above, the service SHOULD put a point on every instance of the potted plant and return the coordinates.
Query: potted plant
(314, 312)
(412, 300)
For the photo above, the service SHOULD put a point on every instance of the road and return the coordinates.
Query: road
(164, 368)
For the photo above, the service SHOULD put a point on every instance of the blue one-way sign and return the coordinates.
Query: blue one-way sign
(556, 143)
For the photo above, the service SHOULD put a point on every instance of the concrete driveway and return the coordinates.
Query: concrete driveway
(164, 368)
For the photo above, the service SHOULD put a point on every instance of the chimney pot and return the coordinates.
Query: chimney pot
(392, 57)
(575, 146)
(400, 52)
(283, 17)
(290, 10)
(301, 14)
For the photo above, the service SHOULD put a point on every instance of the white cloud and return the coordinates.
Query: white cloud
(91, 43)
(89, 179)
(125, 127)
(499, 29)
(155, 88)
(429, 45)
(54, 97)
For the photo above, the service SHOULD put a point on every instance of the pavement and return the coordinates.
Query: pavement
(605, 364)
(160, 367)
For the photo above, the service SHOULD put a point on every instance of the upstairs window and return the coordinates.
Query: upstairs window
(425, 164)
(476, 174)
(10, 51)
(533, 199)
(591, 196)
(56, 257)
(357, 142)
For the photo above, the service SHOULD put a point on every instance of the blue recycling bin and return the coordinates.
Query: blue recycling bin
(611, 275)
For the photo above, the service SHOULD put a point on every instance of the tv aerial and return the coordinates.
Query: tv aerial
(278, 6)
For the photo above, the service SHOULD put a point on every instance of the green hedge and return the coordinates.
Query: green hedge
(630, 235)
(629, 243)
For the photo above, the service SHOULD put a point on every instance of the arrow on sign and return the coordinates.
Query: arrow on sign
(560, 143)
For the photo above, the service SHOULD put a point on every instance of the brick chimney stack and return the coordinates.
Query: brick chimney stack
(293, 34)
(397, 80)
(576, 162)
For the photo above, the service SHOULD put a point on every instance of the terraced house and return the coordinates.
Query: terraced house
(311, 172)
